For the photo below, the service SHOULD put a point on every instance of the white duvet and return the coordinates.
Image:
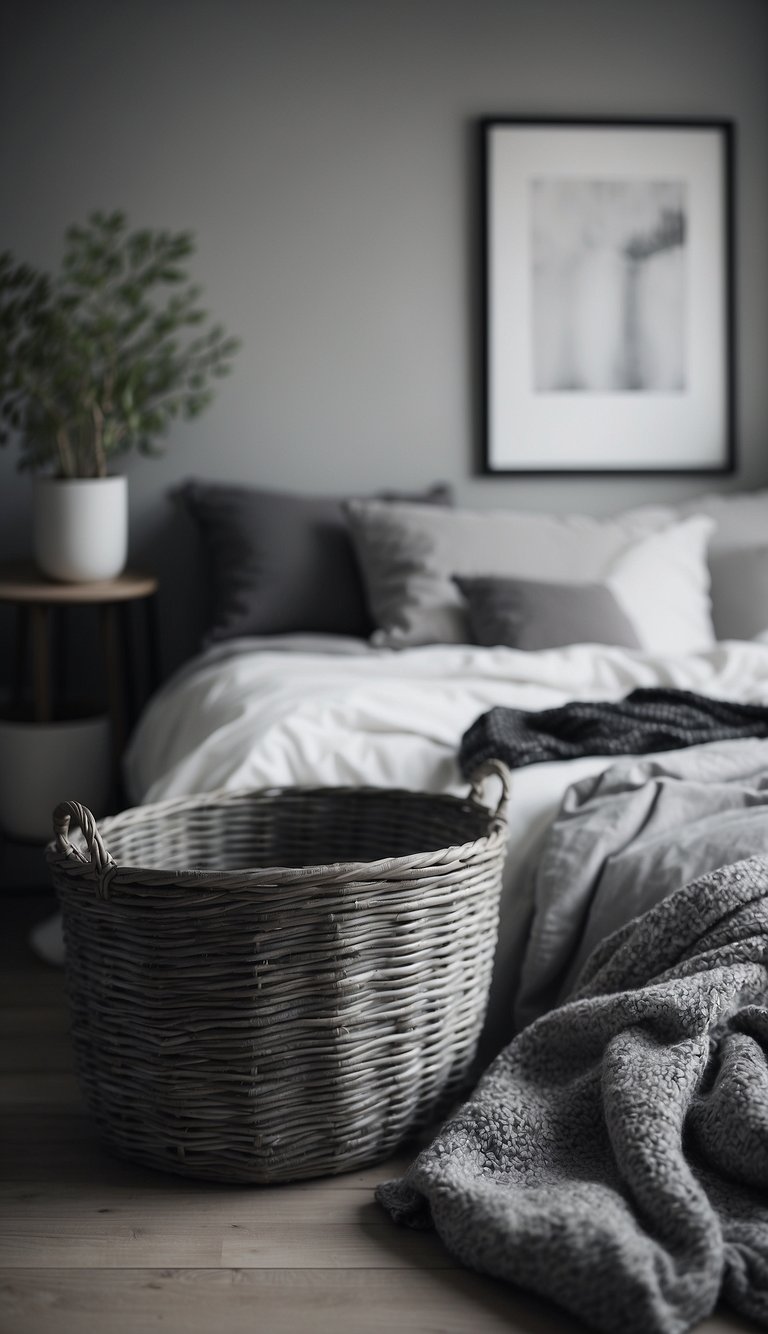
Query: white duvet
(318, 710)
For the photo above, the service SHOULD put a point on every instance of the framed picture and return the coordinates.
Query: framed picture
(608, 282)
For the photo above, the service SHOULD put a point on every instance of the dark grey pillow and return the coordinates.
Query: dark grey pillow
(282, 563)
(534, 614)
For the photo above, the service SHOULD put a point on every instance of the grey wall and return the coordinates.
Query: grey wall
(323, 152)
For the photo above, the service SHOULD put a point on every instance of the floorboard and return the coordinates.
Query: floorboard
(198, 1301)
(75, 1226)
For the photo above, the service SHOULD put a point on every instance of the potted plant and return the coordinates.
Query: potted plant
(97, 360)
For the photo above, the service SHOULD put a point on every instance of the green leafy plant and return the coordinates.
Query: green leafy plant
(103, 357)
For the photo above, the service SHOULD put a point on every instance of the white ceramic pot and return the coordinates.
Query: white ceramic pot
(42, 764)
(81, 527)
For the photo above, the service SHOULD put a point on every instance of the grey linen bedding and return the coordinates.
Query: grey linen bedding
(615, 1156)
(622, 841)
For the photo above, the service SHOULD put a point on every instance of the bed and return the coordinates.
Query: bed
(320, 710)
(355, 639)
(420, 620)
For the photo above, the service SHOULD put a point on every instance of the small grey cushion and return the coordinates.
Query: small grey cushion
(532, 614)
(282, 563)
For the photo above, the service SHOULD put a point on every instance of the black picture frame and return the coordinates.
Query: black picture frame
(608, 290)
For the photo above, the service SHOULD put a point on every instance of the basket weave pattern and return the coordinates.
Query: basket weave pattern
(294, 1018)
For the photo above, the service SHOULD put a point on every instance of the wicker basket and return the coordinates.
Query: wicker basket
(266, 1024)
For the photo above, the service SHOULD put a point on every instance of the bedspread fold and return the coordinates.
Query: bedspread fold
(614, 1157)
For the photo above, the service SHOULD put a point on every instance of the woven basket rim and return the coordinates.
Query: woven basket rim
(258, 877)
(73, 864)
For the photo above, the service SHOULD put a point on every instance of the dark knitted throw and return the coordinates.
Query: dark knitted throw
(646, 720)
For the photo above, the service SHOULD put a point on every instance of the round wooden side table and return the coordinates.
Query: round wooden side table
(36, 597)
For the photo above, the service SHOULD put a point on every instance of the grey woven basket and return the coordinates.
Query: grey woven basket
(277, 984)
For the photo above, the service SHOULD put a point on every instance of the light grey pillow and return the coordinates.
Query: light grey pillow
(741, 517)
(740, 591)
(408, 555)
(532, 614)
(738, 560)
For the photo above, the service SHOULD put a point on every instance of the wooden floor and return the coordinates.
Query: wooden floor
(91, 1245)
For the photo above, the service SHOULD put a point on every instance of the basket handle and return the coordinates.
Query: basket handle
(493, 769)
(100, 863)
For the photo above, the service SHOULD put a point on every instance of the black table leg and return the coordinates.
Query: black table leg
(41, 662)
(153, 641)
(20, 659)
(132, 685)
(114, 681)
(60, 640)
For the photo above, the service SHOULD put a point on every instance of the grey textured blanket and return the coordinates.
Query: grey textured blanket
(647, 720)
(615, 1156)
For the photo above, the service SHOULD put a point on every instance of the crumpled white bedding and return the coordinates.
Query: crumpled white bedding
(319, 710)
(329, 710)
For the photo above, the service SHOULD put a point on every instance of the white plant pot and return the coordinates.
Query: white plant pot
(42, 764)
(81, 527)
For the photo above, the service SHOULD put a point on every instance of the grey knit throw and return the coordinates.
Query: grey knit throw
(646, 720)
(614, 1157)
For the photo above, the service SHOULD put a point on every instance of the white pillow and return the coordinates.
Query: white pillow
(662, 581)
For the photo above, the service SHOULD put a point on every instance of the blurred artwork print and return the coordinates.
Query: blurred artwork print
(608, 285)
